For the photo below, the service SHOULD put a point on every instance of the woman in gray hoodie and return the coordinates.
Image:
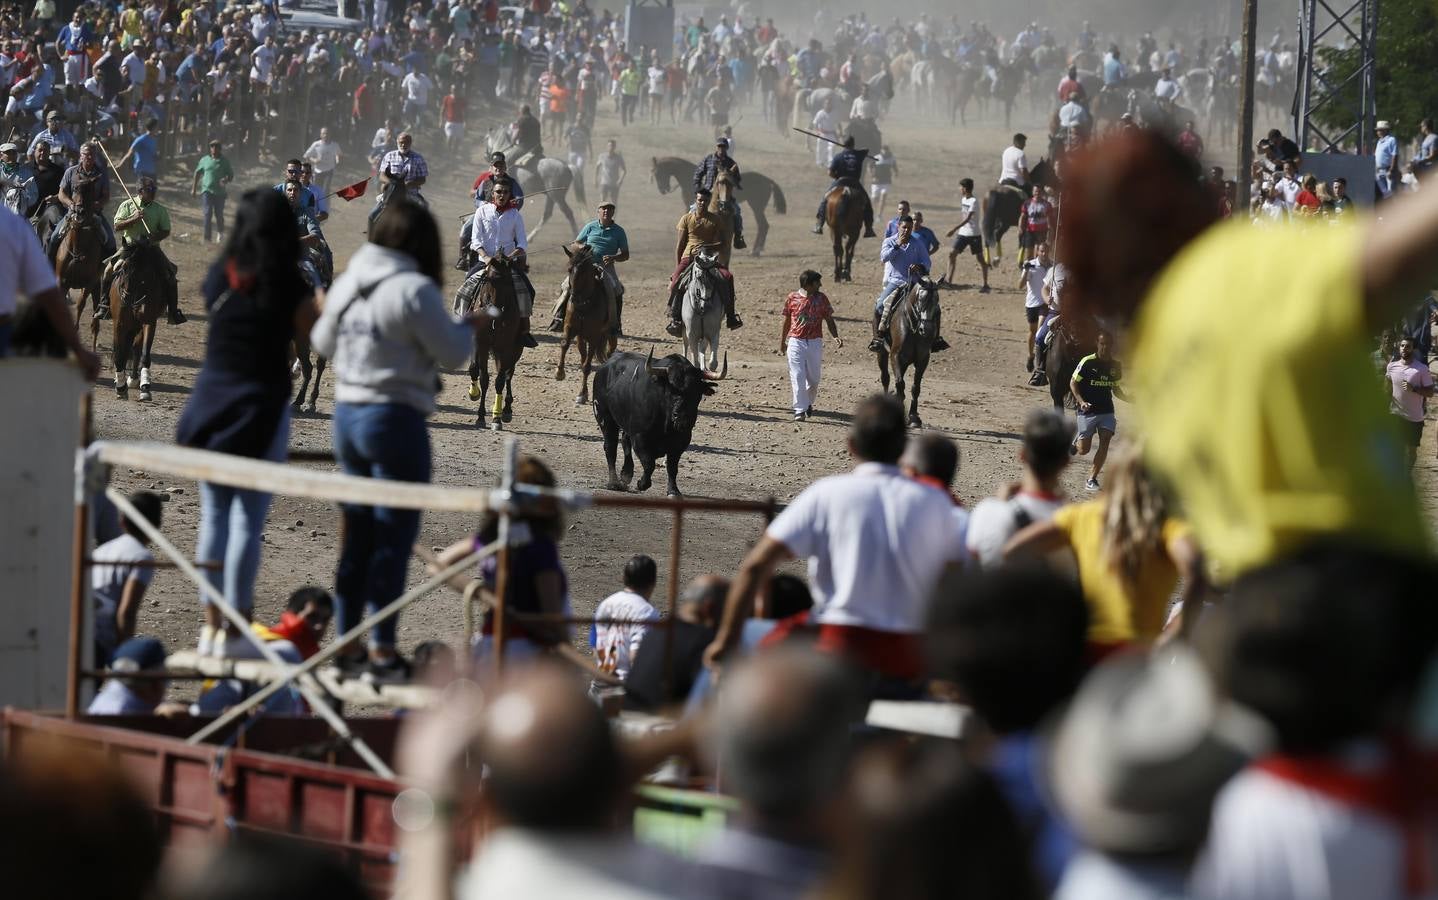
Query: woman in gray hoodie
(387, 330)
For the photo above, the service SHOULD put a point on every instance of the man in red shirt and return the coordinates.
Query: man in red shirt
(1069, 85)
(452, 112)
(1189, 142)
(801, 339)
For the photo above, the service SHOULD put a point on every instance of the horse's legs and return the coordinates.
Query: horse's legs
(148, 336)
(508, 413)
(320, 363)
(883, 358)
(563, 205)
(482, 392)
(94, 332)
(761, 226)
(914, 420)
(120, 349)
(564, 352)
(838, 255)
(302, 355)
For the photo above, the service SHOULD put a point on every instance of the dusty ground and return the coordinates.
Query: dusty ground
(745, 444)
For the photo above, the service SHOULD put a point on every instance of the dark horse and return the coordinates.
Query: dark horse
(78, 262)
(390, 194)
(317, 276)
(586, 319)
(669, 172)
(999, 210)
(492, 289)
(1008, 84)
(912, 330)
(137, 299)
(1074, 337)
(844, 214)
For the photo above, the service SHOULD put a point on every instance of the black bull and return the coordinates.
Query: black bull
(652, 408)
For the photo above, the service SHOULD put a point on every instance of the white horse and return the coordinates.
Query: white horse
(703, 311)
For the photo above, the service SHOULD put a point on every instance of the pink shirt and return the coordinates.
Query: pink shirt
(1408, 404)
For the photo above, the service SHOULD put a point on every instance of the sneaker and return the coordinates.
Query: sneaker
(810, 410)
(675, 328)
(818, 228)
(395, 670)
(175, 317)
(800, 416)
(1091, 484)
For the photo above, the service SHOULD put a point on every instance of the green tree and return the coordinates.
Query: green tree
(1407, 58)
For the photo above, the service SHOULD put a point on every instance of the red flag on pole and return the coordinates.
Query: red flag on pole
(355, 190)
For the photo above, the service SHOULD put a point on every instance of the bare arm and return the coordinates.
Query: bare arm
(833, 329)
(1038, 539)
(784, 330)
(739, 605)
(1078, 397)
(1400, 256)
(128, 612)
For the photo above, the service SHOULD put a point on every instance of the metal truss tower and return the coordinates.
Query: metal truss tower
(1328, 23)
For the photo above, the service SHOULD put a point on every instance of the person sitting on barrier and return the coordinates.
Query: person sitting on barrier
(137, 696)
(847, 170)
(120, 573)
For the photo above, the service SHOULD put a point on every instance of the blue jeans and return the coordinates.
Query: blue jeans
(231, 521)
(212, 206)
(377, 440)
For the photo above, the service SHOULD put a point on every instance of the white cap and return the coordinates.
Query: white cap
(1382, 125)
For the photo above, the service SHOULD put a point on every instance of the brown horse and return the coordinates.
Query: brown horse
(587, 318)
(492, 289)
(137, 300)
(313, 269)
(912, 329)
(79, 261)
(844, 214)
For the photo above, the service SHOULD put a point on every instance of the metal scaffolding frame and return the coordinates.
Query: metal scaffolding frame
(1319, 23)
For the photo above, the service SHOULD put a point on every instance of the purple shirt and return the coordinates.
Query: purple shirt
(1406, 403)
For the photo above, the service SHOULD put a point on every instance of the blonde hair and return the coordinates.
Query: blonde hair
(1134, 514)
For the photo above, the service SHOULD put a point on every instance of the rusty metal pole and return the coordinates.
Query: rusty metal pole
(676, 535)
(79, 556)
(1243, 179)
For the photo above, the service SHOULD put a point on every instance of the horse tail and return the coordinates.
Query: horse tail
(578, 178)
(781, 206)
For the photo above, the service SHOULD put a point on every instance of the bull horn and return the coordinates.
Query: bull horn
(652, 370)
(723, 372)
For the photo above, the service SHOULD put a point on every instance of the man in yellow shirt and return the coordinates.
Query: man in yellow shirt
(141, 220)
(703, 228)
(1252, 379)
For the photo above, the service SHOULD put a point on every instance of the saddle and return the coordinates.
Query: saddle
(847, 193)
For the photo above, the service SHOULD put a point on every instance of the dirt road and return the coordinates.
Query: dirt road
(745, 444)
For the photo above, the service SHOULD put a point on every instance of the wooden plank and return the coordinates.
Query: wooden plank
(292, 481)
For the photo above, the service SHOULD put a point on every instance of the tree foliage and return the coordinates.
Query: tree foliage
(1407, 60)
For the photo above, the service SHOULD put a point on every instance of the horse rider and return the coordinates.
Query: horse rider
(408, 165)
(1014, 165)
(1075, 122)
(308, 199)
(17, 181)
(499, 231)
(607, 244)
(48, 174)
(497, 172)
(308, 227)
(701, 229)
(56, 135)
(708, 170)
(527, 137)
(847, 170)
(1167, 90)
(137, 221)
(906, 260)
(87, 186)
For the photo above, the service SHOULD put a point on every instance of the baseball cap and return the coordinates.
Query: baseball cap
(722, 142)
(496, 157)
(139, 654)
(9, 147)
(605, 204)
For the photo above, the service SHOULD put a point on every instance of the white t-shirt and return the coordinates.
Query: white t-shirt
(23, 267)
(876, 542)
(1272, 839)
(324, 154)
(1013, 164)
(658, 81)
(1034, 274)
(609, 166)
(994, 521)
(968, 206)
(615, 645)
(107, 582)
(1055, 281)
(417, 86)
(262, 63)
(1289, 188)
(824, 122)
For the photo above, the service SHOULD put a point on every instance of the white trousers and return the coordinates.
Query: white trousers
(75, 68)
(804, 356)
(824, 151)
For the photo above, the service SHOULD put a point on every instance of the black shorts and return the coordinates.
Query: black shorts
(1031, 239)
(1033, 314)
(1412, 432)
(971, 241)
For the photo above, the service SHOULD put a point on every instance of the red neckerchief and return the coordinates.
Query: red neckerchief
(297, 631)
(940, 486)
(1400, 790)
(238, 280)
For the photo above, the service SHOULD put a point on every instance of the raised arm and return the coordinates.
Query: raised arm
(1400, 256)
